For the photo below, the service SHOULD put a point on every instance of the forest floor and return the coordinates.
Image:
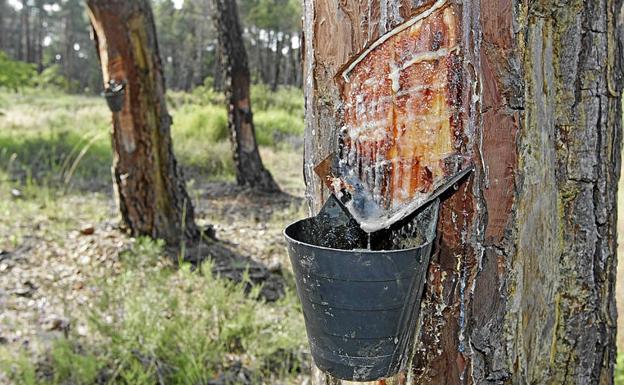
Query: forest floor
(81, 302)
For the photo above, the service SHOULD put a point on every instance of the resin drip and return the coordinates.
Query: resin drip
(400, 142)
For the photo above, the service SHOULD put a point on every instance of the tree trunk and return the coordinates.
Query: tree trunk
(268, 65)
(4, 12)
(295, 68)
(278, 61)
(260, 59)
(249, 168)
(25, 37)
(521, 283)
(40, 36)
(218, 70)
(68, 34)
(148, 183)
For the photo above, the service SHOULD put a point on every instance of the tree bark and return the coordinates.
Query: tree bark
(149, 185)
(521, 284)
(260, 59)
(4, 32)
(278, 61)
(25, 34)
(249, 168)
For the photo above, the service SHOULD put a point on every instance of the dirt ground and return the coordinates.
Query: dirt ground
(68, 241)
(45, 278)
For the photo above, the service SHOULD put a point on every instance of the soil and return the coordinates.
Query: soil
(44, 279)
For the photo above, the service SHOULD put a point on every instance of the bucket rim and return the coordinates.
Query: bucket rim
(352, 251)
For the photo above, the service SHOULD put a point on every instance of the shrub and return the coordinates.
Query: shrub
(619, 369)
(206, 94)
(201, 123)
(289, 99)
(15, 74)
(275, 126)
(158, 325)
(52, 77)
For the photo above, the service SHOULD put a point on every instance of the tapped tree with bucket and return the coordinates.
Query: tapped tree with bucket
(510, 277)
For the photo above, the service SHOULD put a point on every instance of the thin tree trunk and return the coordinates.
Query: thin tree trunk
(199, 64)
(266, 70)
(294, 66)
(39, 45)
(25, 37)
(4, 11)
(249, 168)
(286, 73)
(260, 61)
(299, 61)
(148, 183)
(218, 70)
(68, 54)
(521, 284)
(278, 61)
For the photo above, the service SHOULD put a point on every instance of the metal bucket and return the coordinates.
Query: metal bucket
(360, 305)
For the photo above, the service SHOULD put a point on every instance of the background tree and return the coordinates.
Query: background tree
(55, 34)
(249, 168)
(272, 25)
(149, 186)
(187, 40)
(521, 286)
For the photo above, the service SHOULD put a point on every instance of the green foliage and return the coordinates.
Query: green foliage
(200, 140)
(209, 122)
(278, 116)
(71, 364)
(160, 325)
(282, 15)
(276, 126)
(52, 77)
(19, 364)
(64, 141)
(15, 74)
(289, 99)
(206, 94)
(619, 368)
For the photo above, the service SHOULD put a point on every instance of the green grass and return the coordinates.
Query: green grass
(276, 126)
(154, 323)
(288, 99)
(54, 139)
(63, 140)
(619, 368)
(150, 321)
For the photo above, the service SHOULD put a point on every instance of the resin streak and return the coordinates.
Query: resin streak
(402, 128)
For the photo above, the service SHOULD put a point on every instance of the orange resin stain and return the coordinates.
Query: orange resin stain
(401, 104)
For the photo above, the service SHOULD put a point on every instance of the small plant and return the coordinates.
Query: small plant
(157, 324)
(619, 369)
(276, 126)
(288, 99)
(15, 74)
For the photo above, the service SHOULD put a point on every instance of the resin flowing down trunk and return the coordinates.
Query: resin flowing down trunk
(520, 288)
(149, 185)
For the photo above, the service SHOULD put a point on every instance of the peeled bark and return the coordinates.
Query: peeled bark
(521, 284)
(249, 168)
(149, 185)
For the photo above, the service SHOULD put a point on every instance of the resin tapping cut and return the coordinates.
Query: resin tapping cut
(400, 144)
